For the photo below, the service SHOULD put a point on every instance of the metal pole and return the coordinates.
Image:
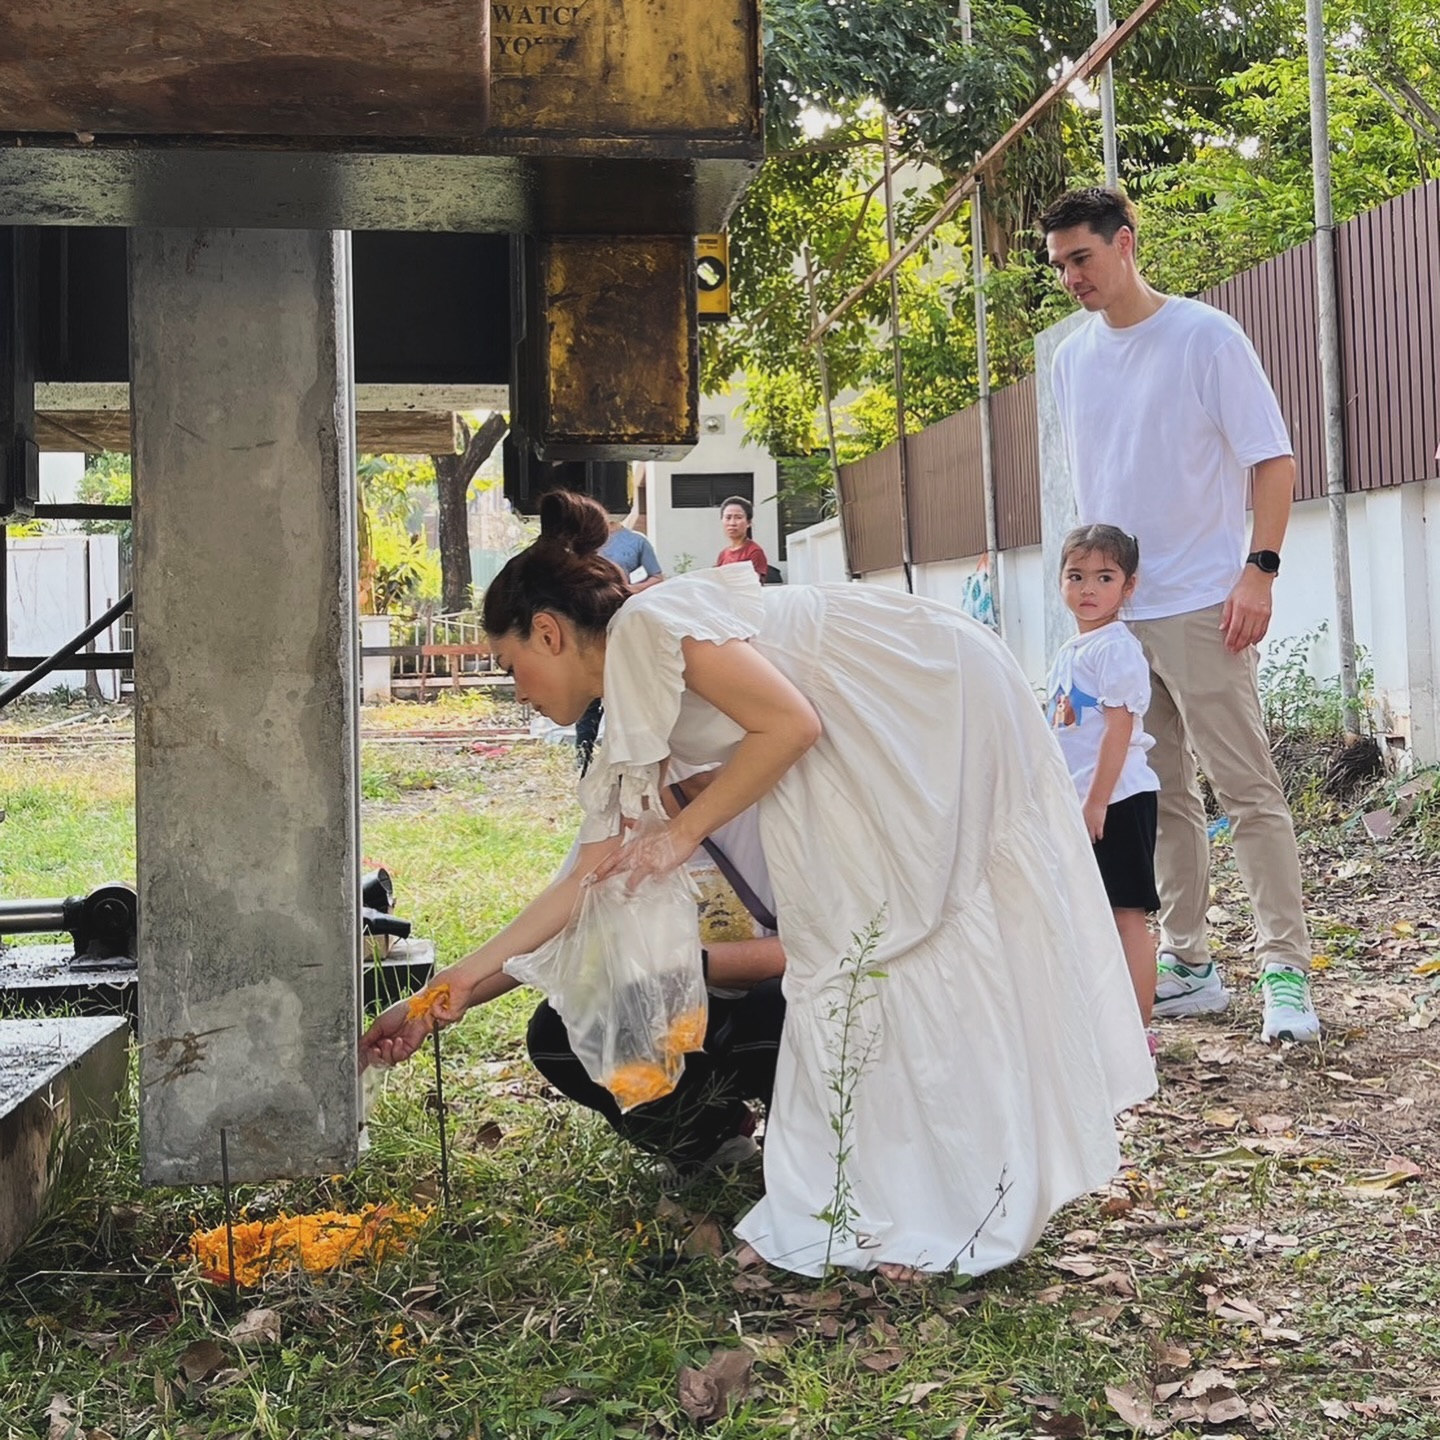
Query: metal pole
(1107, 99)
(1327, 306)
(901, 446)
(823, 366)
(67, 651)
(1082, 69)
(982, 359)
(982, 375)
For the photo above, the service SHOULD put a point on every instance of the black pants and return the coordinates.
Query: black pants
(707, 1107)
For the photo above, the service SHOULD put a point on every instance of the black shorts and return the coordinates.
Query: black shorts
(1126, 853)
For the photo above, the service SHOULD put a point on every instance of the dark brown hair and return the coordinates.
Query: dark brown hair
(747, 507)
(1106, 212)
(562, 572)
(1109, 542)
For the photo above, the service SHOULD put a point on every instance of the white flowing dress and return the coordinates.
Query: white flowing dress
(992, 1033)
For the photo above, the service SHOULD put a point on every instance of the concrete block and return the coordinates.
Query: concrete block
(60, 1080)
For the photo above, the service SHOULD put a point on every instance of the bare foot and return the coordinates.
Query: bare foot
(747, 1257)
(902, 1274)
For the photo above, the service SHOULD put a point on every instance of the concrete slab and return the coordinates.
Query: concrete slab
(59, 1080)
(39, 977)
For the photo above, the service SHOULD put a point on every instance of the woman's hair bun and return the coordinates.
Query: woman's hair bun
(573, 520)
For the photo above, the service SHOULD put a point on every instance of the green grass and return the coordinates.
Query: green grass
(66, 828)
(553, 1298)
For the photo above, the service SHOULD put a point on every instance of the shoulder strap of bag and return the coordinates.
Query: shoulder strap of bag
(748, 898)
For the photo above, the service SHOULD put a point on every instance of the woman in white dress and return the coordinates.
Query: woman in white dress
(939, 1096)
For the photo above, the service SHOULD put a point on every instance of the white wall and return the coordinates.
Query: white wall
(676, 534)
(60, 478)
(817, 554)
(47, 600)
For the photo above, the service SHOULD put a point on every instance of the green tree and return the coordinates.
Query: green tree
(1214, 143)
(106, 481)
(454, 475)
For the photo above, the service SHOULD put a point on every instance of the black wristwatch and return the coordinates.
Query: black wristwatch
(1267, 562)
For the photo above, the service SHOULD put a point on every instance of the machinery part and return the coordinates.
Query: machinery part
(377, 895)
(102, 923)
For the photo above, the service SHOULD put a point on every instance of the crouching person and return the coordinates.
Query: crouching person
(707, 1122)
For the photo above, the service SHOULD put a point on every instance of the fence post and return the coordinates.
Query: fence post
(902, 447)
(1327, 305)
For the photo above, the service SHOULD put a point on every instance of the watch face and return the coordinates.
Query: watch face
(1266, 560)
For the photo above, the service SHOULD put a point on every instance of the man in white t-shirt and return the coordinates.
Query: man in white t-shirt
(1166, 412)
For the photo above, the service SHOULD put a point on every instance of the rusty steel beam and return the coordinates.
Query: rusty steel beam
(1092, 60)
(607, 364)
(377, 432)
(329, 68)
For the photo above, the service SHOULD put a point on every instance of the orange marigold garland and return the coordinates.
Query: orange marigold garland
(427, 1000)
(316, 1242)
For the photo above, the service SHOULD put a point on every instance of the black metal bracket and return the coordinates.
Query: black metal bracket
(19, 344)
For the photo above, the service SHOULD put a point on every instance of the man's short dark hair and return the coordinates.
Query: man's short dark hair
(1106, 212)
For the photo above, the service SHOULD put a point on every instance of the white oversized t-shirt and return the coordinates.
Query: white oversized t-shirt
(1105, 668)
(1162, 422)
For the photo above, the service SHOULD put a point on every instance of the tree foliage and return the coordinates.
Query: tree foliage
(1212, 112)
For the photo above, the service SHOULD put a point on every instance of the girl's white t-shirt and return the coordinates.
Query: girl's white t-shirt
(1103, 669)
(1163, 421)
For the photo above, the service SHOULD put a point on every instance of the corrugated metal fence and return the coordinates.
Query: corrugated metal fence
(1389, 272)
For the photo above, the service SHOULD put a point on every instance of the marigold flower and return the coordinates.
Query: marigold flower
(423, 1003)
(316, 1242)
(639, 1082)
(686, 1033)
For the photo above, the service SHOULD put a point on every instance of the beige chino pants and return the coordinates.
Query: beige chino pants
(1205, 707)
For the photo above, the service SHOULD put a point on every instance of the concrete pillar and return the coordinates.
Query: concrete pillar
(246, 680)
(1057, 497)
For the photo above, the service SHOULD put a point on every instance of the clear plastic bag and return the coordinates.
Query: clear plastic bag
(625, 977)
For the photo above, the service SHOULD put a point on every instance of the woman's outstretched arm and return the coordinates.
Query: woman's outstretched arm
(479, 977)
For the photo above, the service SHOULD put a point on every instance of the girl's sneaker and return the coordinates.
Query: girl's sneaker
(1289, 1011)
(1153, 1041)
(1182, 990)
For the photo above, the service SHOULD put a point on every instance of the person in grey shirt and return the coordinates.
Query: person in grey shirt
(631, 551)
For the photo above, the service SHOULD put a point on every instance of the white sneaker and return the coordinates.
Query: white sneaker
(1182, 990)
(1289, 1012)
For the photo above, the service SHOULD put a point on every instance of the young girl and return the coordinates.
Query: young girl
(1098, 693)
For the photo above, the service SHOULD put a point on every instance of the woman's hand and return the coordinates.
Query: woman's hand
(655, 851)
(402, 1029)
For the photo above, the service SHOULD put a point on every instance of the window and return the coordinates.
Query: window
(705, 492)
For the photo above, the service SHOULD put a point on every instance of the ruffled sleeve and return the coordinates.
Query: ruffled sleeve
(1122, 674)
(645, 680)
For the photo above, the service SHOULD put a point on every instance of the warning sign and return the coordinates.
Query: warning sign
(712, 276)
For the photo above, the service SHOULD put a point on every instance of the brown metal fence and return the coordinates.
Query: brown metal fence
(1275, 305)
(1388, 262)
(947, 508)
(1015, 431)
(870, 511)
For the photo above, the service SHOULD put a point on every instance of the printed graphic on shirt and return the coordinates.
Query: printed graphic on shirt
(723, 915)
(1068, 707)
